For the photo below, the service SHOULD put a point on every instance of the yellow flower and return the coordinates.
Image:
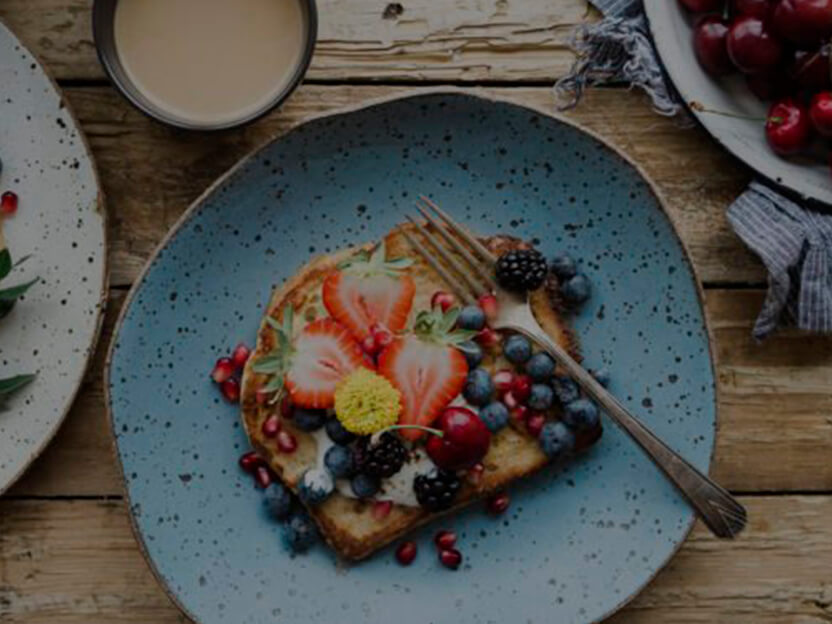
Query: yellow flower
(365, 402)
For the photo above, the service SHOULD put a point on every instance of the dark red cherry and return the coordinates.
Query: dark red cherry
(770, 85)
(709, 45)
(702, 6)
(465, 439)
(820, 112)
(788, 129)
(810, 69)
(804, 23)
(760, 9)
(752, 48)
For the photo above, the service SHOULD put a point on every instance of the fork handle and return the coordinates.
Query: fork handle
(720, 511)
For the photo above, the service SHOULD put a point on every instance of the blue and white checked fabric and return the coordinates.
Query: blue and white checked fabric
(793, 241)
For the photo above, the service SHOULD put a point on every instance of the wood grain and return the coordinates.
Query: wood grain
(775, 407)
(415, 40)
(777, 571)
(151, 174)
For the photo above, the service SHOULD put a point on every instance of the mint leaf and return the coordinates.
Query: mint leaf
(11, 385)
(5, 263)
(13, 294)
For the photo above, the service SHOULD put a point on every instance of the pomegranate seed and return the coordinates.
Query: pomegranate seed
(263, 476)
(286, 408)
(223, 369)
(271, 426)
(381, 509)
(286, 442)
(369, 345)
(519, 413)
(487, 338)
(444, 300)
(406, 553)
(498, 503)
(8, 203)
(445, 540)
(240, 356)
(522, 387)
(262, 397)
(503, 381)
(535, 422)
(382, 336)
(250, 461)
(231, 390)
(488, 303)
(450, 558)
(475, 474)
(510, 400)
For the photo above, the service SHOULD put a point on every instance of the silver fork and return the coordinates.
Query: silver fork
(469, 271)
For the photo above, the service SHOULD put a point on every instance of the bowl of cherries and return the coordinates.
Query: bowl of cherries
(757, 75)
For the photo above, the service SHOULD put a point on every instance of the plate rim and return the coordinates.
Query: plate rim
(408, 93)
(103, 298)
(735, 150)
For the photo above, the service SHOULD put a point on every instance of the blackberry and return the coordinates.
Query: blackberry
(382, 459)
(436, 493)
(521, 270)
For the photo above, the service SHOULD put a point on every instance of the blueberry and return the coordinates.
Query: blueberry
(336, 432)
(472, 352)
(563, 265)
(566, 390)
(315, 486)
(279, 501)
(495, 416)
(364, 486)
(556, 440)
(299, 533)
(478, 388)
(517, 349)
(581, 414)
(540, 367)
(602, 376)
(308, 419)
(339, 461)
(471, 317)
(541, 397)
(576, 290)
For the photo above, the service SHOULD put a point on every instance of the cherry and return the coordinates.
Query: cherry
(709, 45)
(770, 85)
(805, 23)
(702, 6)
(787, 128)
(464, 442)
(820, 112)
(752, 47)
(757, 8)
(811, 69)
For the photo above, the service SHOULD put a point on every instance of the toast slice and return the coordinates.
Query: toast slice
(348, 524)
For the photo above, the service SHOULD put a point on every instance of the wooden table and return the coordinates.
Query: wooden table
(67, 554)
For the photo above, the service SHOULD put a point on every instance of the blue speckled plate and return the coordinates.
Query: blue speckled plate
(577, 544)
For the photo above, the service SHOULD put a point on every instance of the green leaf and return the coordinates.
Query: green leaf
(14, 293)
(449, 320)
(275, 384)
(11, 385)
(22, 260)
(398, 264)
(268, 364)
(5, 263)
(5, 308)
(273, 324)
(288, 321)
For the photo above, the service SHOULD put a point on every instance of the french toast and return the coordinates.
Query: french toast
(351, 525)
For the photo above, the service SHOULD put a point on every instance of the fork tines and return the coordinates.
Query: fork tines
(471, 260)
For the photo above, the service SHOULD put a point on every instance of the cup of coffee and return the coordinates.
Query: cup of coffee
(205, 64)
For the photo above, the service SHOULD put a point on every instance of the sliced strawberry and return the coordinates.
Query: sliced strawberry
(361, 301)
(429, 376)
(324, 353)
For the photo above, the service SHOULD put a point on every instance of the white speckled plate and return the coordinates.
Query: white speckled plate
(806, 176)
(61, 224)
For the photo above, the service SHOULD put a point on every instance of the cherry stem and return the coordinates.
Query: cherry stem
(703, 109)
(431, 430)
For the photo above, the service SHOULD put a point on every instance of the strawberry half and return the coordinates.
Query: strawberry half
(426, 368)
(369, 289)
(323, 354)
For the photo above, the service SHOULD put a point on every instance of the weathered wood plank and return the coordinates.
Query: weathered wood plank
(777, 571)
(453, 40)
(151, 173)
(775, 406)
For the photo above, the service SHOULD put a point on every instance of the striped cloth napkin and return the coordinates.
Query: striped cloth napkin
(794, 242)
